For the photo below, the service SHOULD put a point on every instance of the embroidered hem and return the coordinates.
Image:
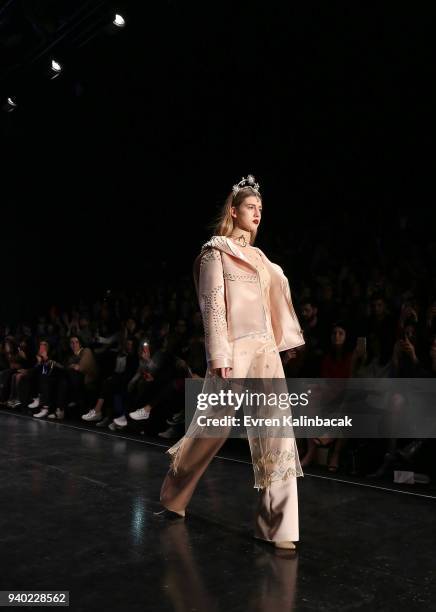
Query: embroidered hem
(263, 478)
(273, 466)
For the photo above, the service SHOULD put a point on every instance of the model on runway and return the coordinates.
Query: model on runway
(248, 318)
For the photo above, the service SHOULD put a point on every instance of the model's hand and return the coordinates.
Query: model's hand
(222, 372)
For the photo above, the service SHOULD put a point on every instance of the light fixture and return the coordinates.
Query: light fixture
(55, 69)
(119, 21)
(10, 104)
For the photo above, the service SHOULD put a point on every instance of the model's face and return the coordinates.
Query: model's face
(247, 215)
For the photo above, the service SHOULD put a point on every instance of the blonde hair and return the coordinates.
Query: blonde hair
(224, 224)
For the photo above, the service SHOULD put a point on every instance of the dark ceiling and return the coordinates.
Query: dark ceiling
(126, 156)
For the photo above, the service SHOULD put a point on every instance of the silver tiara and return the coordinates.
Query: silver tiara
(250, 181)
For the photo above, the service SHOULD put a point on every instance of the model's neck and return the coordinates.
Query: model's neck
(240, 236)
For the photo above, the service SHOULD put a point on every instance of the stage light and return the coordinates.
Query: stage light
(114, 24)
(56, 66)
(119, 21)
(10, 105)
(55, 69)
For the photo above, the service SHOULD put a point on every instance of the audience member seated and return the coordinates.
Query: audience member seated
(337, 363)
(125, 366)
(12, 361)
(47, 373)
(21, 379)
(76, 380)
(152, 386)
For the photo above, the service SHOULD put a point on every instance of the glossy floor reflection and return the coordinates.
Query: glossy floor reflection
(76, 514)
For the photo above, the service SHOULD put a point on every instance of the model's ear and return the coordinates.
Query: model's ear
(233, 211)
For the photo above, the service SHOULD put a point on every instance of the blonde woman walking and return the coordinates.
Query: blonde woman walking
(248, 319)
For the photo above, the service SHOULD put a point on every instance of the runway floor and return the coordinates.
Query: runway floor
(76, 515)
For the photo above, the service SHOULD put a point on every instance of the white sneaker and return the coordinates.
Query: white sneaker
(52, 415)
(92, 416)
(121, 421)
(139, 415)
(35, 403)
(42, 413)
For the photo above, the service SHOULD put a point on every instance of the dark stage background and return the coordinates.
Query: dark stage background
(112, 172)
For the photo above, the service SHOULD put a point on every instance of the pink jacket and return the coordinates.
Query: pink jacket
(231, 304)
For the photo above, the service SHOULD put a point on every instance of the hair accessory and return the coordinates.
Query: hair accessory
(250, 181)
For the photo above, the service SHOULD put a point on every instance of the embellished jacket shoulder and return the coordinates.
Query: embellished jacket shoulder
(230, 299)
